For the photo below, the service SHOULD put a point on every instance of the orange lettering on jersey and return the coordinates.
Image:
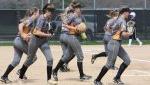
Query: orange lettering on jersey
(117, 35)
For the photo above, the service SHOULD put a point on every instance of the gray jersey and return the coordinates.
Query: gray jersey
(108, 26)
(40, 42)
(43, 24)
(118, 27)
(67, 19)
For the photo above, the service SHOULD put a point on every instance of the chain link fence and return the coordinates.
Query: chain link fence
(94, 12)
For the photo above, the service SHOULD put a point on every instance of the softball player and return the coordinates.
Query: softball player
(39, 39)
(73, 45)
(65, 20)
(134, 37)
(115, 49)
(113, 14)
(63, 36)
(20, 42)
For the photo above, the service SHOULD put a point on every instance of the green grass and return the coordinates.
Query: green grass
(10, 43)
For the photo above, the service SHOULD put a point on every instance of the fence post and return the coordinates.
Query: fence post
(145, 4)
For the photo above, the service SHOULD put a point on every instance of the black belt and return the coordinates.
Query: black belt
(39, 37)
(65, 32)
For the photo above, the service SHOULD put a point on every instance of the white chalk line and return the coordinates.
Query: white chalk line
(141, 73)
(97, 51)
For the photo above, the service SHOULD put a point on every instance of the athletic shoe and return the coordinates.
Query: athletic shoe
(51, 82)
(64, 68)
(93, 59)
(24, 77)
(85, 77)
(140, 44)
(55, 76)
(5, 80)
(97, 82)
(118, 81)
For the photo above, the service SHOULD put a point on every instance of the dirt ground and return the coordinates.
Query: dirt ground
(138, 73)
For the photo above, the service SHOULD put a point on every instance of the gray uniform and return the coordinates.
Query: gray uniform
(64, 32)
(40, 42)
(21, 46)
(73, 44)
(114, 46)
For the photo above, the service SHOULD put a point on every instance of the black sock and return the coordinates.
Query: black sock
(100, 54)
(102, 73)
(49, 72)
(8, 70)
(122, 68)
(22, 71)
(60, 63)
(80, 68)
(70, 59)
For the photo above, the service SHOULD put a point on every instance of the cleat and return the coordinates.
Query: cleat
(118, 81)
(24, 77)
(97, 82)
(5, 80)
(93, 59)
(55, 76)
(140, 44)
(51, 82)
(85, 77)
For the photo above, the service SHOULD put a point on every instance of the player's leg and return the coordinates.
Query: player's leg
(126, 61)
(139, 41)
(17, 56)
(48, 55)
(63, 39)
(61, 62)
(130, 40)
(67, 62)
(113, 47)
(102, 54)
(23, 46)
(76, 47)
(64, 67)
(32, 49)
(106, 39)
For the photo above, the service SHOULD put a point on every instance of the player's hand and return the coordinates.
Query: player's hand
(49, 35)
(26, 37)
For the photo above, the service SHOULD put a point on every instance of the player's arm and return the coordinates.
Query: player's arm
(70, 27)
(38, 32)
(21, 32)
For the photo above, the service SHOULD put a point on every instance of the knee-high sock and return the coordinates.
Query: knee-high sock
(130, 41)
(80, 68)
(70, 59)
(104, 54)
(8, 70)
(122, 68)
(49, 72)
(102, 73)
(138, 40)
(23, 71)
(60, 63)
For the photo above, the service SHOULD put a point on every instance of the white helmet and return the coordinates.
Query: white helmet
(133, 14)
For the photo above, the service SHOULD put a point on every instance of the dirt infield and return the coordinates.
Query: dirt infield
(138, 73)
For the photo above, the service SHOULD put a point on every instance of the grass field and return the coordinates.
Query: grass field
(85, 42)
(138, 73)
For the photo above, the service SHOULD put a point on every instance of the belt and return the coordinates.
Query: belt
(39, 37)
